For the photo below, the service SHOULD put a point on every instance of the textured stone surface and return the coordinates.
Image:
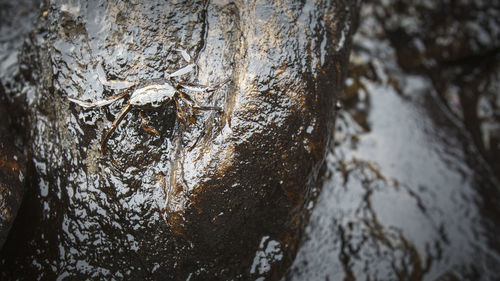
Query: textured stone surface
(12, 170)
(223, 195)
(458, 44)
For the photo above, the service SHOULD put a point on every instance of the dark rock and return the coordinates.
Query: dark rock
(427, 33)
(457, 44)
(221, 195)
(12, 170)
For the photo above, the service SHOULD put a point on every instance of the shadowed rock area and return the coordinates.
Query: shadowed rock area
(407, 194)
(457, 44)
(15, 22)
(215, 195)
(12, 169)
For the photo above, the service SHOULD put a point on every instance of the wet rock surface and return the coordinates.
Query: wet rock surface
(458, 44)
(15, 22)
(12, 169)
(222, 195)
(433, 33)
(407, 194)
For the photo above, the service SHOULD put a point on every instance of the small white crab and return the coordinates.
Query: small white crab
(152, 93)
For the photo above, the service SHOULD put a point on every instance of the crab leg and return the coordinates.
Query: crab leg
(201, 88)
(184, 55)
(195, 105)
(182, 71)
(179, 115)
(113, 127)
(113, 84)
(201, 107)
(145, 124)
(186, 69)
(99, 103)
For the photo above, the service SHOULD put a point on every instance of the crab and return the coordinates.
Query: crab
(150, 93)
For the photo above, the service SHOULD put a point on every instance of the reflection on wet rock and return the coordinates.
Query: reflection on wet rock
(407, 195)
(12, 169)
(458, 44)
(215, 194)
